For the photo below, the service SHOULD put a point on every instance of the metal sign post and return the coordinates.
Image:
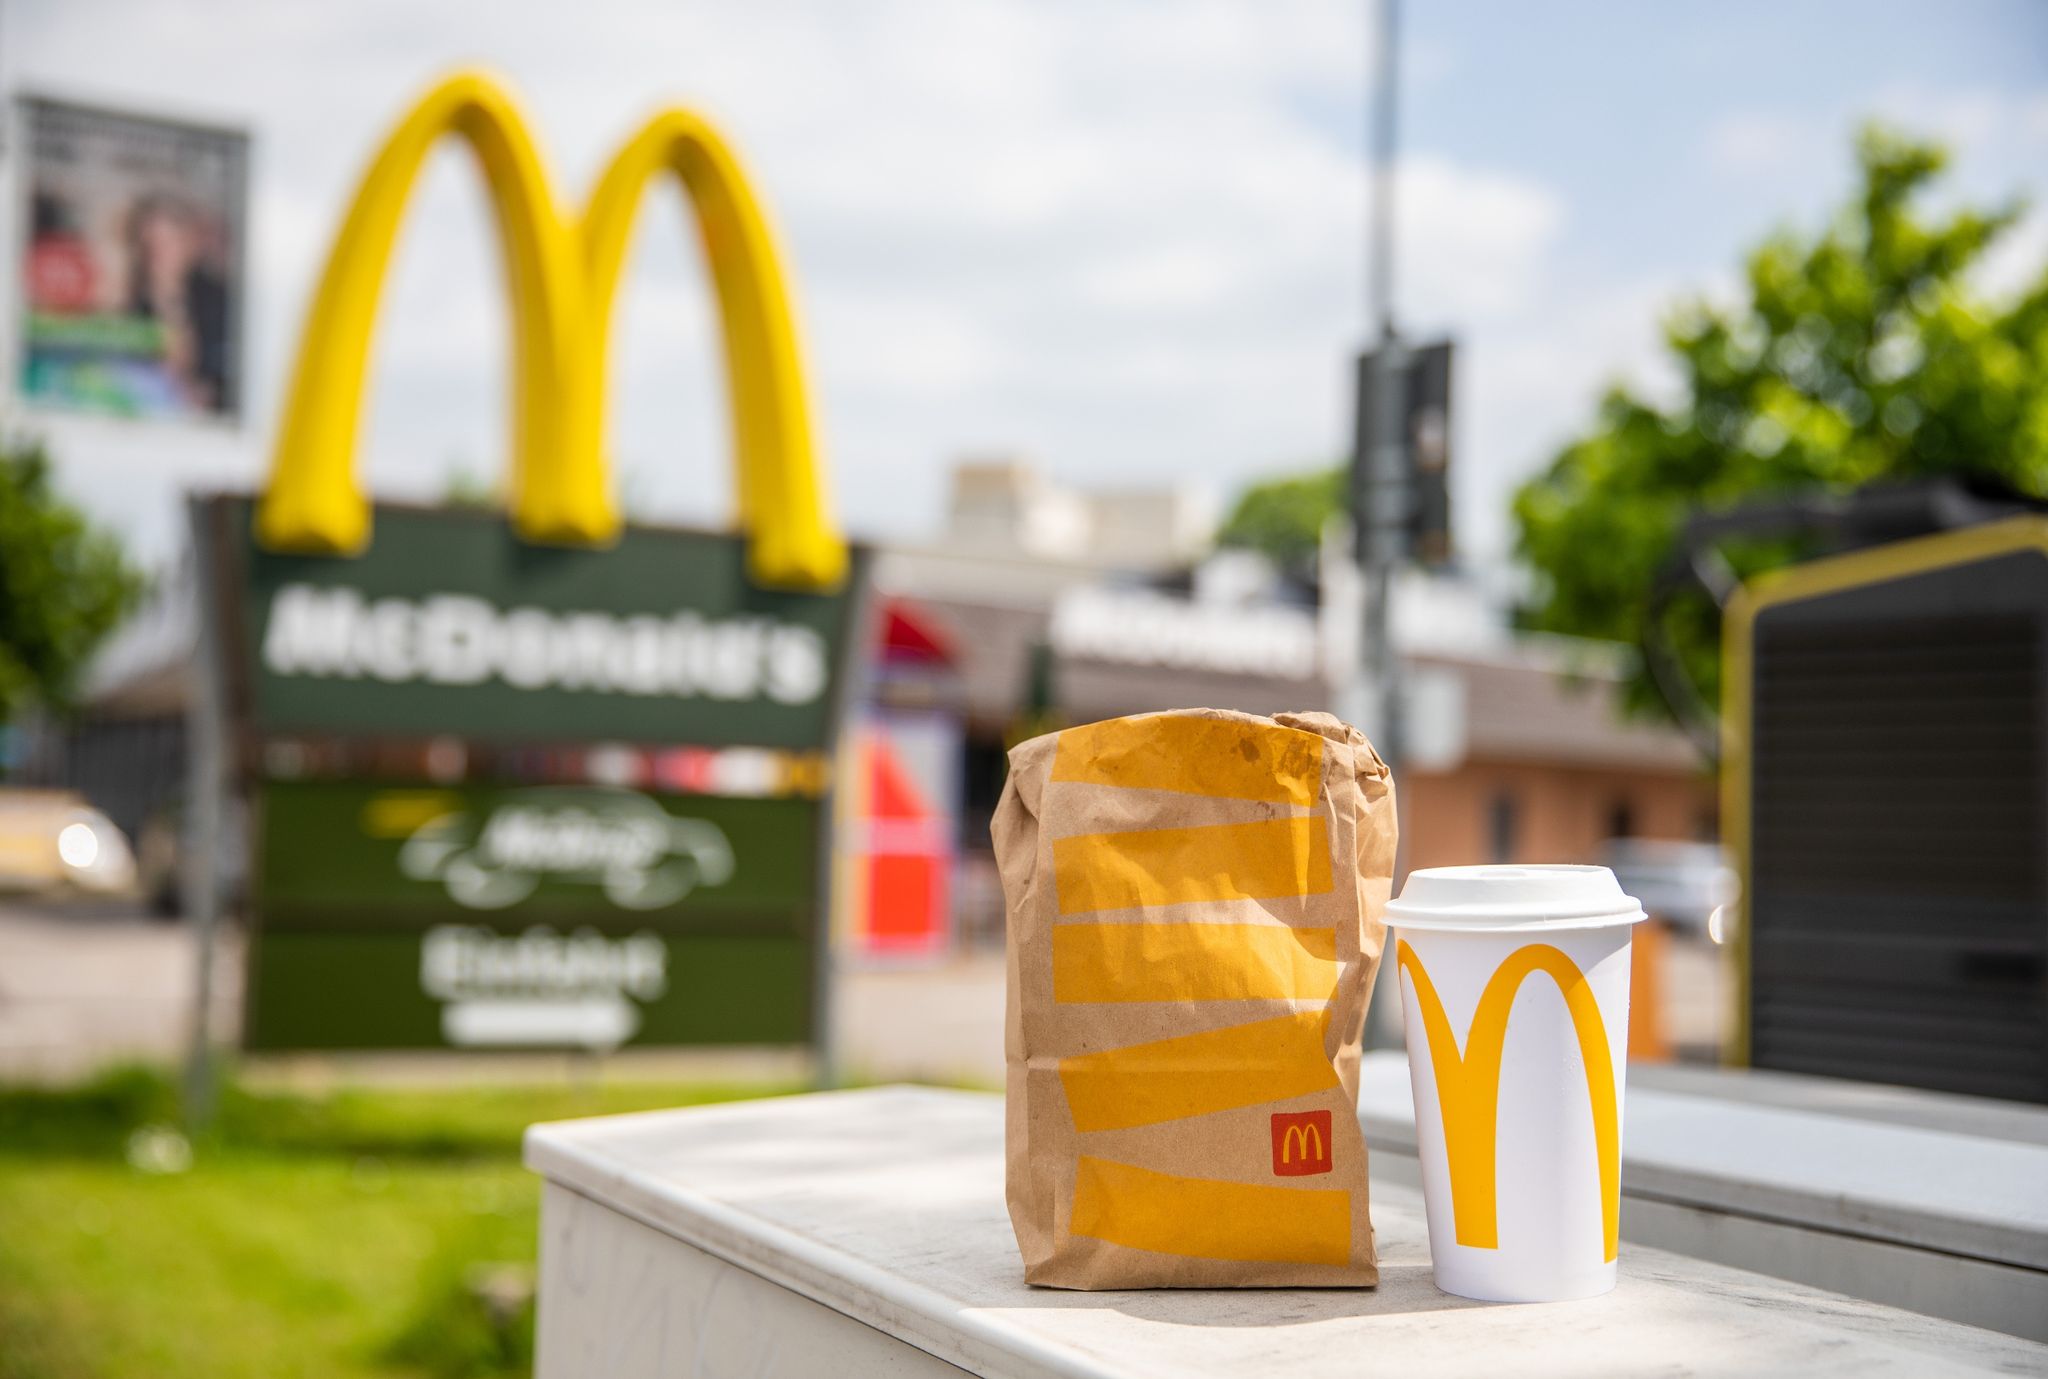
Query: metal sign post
(1381, 497)
(206, 780)
(1379, 493)
(1383, 537)
(853, 689)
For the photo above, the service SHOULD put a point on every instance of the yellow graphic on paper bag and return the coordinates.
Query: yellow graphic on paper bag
(1208, 1218)
(1195, 1074)
(563, 277)
(1189, 959)
(1192, 962)
(1468, 1086)
(1222, 758)
(1269, 859)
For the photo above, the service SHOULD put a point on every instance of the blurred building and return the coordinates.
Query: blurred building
(1006, 507)
(1053, 614)
(1040, 605)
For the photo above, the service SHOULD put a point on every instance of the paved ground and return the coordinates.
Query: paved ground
(85, 986)
(938, 1024)
(945, 1023)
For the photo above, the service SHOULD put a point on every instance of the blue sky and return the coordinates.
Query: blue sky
(1618, 107)
(1122, 237)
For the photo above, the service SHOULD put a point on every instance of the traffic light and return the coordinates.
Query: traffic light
(1406, 503)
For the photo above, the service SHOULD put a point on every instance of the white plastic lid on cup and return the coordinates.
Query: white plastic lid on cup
(1512, 897)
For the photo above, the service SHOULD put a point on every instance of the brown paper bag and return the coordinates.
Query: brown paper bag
(1194, 923)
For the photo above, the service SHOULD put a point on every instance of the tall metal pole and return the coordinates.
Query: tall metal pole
(1383, 500)
(840, 749)
(206, 782)
(1382, 546)
(1382, 135)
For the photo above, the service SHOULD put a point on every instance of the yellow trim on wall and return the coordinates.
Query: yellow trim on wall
(563, 278)
(1814, 579)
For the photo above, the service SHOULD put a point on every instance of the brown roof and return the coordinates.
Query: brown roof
(1537, 699)
(1534, 704)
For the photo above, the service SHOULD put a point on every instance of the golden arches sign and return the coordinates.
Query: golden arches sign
(564, 278)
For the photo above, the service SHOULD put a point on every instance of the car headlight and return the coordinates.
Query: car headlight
(94, 855)
(78, 847)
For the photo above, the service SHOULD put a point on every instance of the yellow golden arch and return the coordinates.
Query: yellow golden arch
(564, 277)
(1299, 1137)
(1468, 1086)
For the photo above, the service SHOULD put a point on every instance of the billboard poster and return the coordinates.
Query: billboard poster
(133, 239)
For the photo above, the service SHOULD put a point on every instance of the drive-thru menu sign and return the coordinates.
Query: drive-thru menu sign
(551, 782)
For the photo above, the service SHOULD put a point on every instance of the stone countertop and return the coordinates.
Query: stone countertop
(886, 1205)
(1847, 1160)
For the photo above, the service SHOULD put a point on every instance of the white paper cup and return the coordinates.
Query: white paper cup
(1514, 993)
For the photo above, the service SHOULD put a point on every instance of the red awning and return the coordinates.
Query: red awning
(910, 637)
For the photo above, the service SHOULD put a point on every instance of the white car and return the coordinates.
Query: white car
(1689, 885)
(53, 842)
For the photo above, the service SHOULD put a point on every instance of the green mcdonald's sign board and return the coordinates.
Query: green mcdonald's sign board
(496, 916)
(449, 623)
(543, 779)
(505, 796)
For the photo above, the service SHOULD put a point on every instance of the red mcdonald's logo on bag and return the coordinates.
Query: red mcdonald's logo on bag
(1301, 1143)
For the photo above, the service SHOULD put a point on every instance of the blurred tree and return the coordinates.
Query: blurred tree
(1284, 517)
(1857, 354)
(64, 583)
(465, 488)
(469, 489)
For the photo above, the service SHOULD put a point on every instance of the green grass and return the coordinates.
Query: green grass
(332, 1236)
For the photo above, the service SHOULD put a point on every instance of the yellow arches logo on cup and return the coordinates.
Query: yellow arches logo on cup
(1512, 1165)
(563, 274)
(1468, 1085)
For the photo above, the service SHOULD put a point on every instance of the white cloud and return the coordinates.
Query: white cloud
(1106, 234)
(1750, 142)
(1472, 243)
(1101, 233)
(1188, 277)
(1992, 135)
(904, 346)
(2016, 262)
